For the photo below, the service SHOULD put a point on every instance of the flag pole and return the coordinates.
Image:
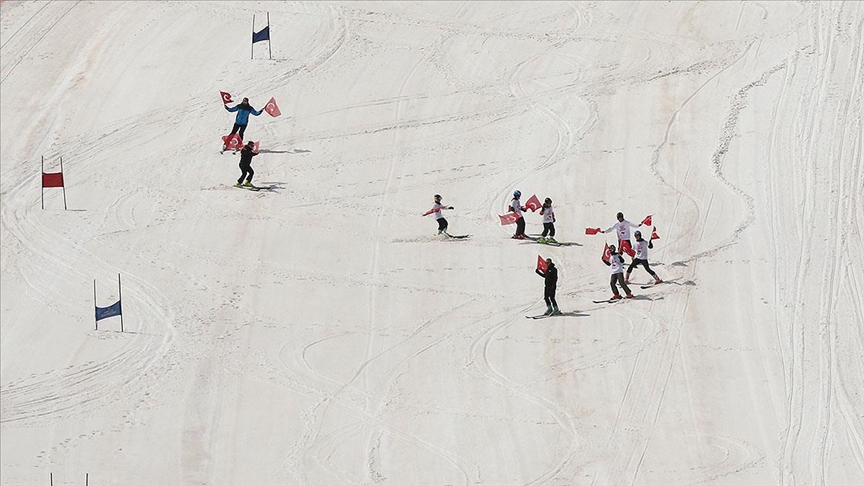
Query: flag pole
(64, 183)
(94, 305)
(252, 53)
(269, 38)
(120, 300)
(42, 175)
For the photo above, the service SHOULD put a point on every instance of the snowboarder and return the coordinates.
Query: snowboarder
(437, 208)
(616, 265)
(246, 165)
(516, 207)
(641, 258)
(622, 228)
(550, 279)
(548, 222)
(242, 119)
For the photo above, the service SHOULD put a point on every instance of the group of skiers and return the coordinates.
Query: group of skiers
(243, 109)
(615, 260)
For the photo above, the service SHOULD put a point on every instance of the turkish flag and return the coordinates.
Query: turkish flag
(508, 218)
(592, 231)
(533, 203)
(607, 255)
(226, 97)
(254, 147)
(647, 220)
(541, 266)
(654, 234)
(271, 108)
(626, 248)
(232, 141)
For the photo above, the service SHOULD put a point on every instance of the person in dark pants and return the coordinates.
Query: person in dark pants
(616, 265)
(516, 207)
(641, 258)
(550, 279)
(246, 165)
(242, 119)
(548, 222)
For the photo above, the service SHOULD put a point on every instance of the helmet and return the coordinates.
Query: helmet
(517, 194)
(638, 234)
(548, 200)
(620, 215)
(437, 196)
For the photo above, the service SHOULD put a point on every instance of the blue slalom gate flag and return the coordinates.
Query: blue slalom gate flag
(110, 311)
(261, 36)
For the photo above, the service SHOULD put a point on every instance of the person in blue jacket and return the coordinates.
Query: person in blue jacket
(243, 110)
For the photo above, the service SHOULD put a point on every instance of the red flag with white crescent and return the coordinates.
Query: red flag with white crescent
(541, 266)
(226, 97)
(533, 203)
(592, 231)
(607, 255)
(508, 218)
(271, 108)
(254, 147)
(232, 141)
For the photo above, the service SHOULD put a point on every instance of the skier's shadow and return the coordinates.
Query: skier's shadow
(272, 186)
(292, 151)
(533, 239)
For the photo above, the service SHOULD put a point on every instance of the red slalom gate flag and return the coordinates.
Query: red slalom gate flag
(647, 220)
(607, 255)
(533, 203)
(592, 231)
(232, 141)
(226, 98)
(541, 266)
(54, 179)
(508, 218)
(654, 235)
(271, 108)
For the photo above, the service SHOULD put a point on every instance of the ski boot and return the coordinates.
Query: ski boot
(629, 296)
(542, 240)
(627, 278)
(549, 311)
(248, 184)
(556, 311)
(657, 280)
(551, 240)
(615, 297)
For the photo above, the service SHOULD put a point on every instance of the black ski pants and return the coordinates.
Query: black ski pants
(239, 130)
(619, 279)
(246, 167)
(442, 224)
(549, 296)
(644, 263)
(520, 226)
(549, 228)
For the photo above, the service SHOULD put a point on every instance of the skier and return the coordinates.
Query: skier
(622, 228)
(242, 119)
(616, 265)
(642, 247)
(548, 222)
(550, 278)
(516, 207)
(246, 165)
(437, 208)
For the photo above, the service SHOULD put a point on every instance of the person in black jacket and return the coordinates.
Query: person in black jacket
(550, 278)
(246, 165)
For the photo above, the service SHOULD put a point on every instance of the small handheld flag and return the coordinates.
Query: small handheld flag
(255, 147)
(232, 141)
(647, 220)
(533, 203)
(654, 235)
(607, 255)
(592, 231)
(271, 108)
(508, 218)
(541, 266)
(226, 97)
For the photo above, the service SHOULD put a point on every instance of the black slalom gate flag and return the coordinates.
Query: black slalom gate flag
(263, 35)
(110, 311)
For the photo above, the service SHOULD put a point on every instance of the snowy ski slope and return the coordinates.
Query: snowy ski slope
(319, 333)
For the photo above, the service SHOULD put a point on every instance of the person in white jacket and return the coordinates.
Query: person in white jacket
(622, 229)
(641, 258)
(616, 265)
(437, 208)
(548, 222)
(516, 207)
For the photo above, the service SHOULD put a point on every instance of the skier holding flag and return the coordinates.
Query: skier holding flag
(517, 208)
(246, 166)
(548, 222)
(436, 209)
(616, 265)
(642, 247)
(550, 280)
(622, 229)
(242, 119)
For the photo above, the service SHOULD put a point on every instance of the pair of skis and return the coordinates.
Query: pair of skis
(456, 237)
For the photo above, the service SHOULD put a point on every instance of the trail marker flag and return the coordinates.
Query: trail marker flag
(53, 179)
(112, 310)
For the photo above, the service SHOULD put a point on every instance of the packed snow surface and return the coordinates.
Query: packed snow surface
(318, 331)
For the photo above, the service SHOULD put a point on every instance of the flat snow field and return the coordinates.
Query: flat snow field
(318, 332)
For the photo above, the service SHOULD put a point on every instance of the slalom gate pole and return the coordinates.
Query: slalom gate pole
(86, 479)
(252, 50)
(42, 182)
(64, 183)
(94, 304)
(120, 299)
(270, 38)
(51, 478)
